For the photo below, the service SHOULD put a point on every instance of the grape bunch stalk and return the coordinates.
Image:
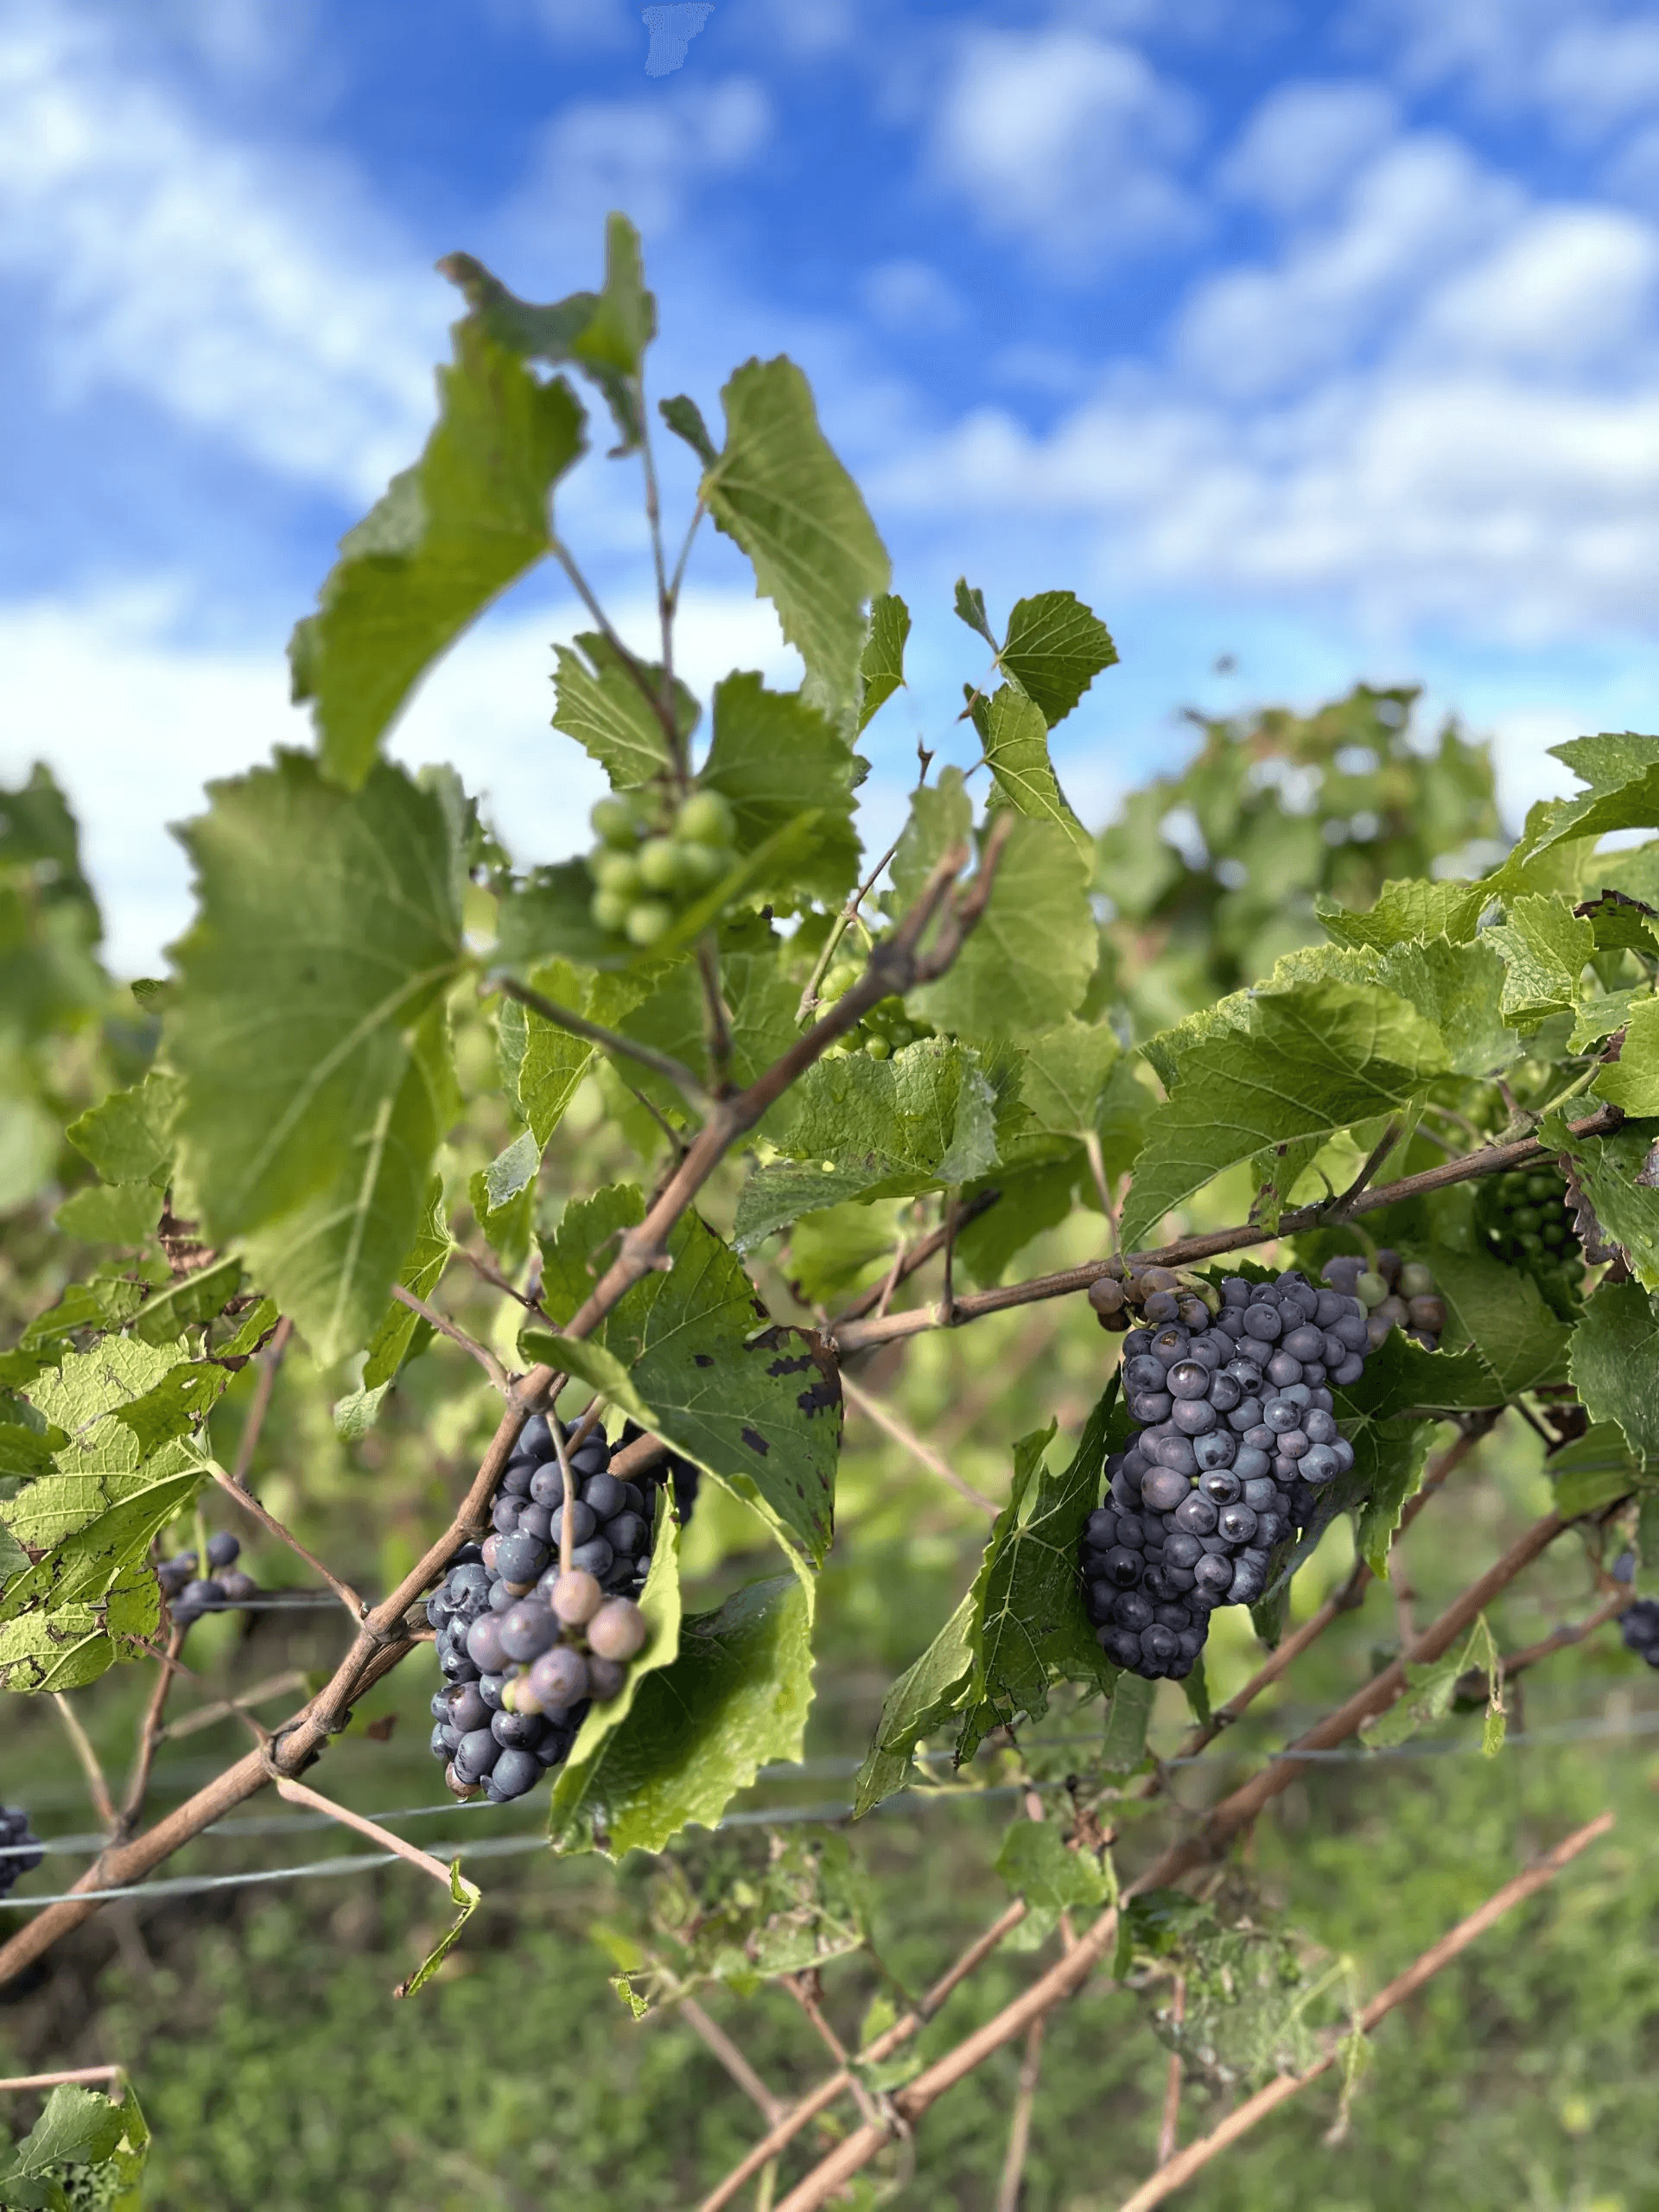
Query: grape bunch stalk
(192, 1586)
(21, 1853)
(1235, 1437)
(524, 1646)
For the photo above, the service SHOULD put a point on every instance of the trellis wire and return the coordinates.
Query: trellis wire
(1645, 1724)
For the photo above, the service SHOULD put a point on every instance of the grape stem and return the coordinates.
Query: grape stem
(1180, 2169)
(270, 1361)
(386, 1636)
(714, 2038)
(98, 1788)
(631, 668)
(151, 1731)
(890, 1423)
(485, 1358)
(684, 1079)
(1209, 1244)
(906, 1262)
(250, 1504)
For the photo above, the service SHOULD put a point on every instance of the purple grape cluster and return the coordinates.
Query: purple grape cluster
(1236, 1438)
(524, 1648)
(15, 1831)
(192, 1590)
(1639, 1626)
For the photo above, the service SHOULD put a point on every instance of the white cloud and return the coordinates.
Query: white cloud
(1305, 141)
(249, 295)
(1586, 68)
(1419, 208)
(1064, 141)
(912, 295)
(644, 154)
(1571, 285)
(134, 723)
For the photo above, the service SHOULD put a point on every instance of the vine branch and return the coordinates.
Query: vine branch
(684, 1079)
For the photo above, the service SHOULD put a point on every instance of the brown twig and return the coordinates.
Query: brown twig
(66, 2077)
(203, 1716)
(1169, 2127)
(1569, 1633)
(892, 1425)
(714, 2038)
(716, 1016)
(684, 1078)
(1181, 2168)
(916, 1256)
(1339, 1209)
(485, 1358)
(1025, 2096)
(270, 1361)
(383, 1639)
(1210, 1244)
(1233, 1813)
(804, 1989)
(909, 2024)
(98, 1788)
(250, 1504)
(297, 1793)
(838, 930)
(151, 1733)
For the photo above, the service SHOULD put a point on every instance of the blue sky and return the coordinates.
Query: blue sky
(1324, 336)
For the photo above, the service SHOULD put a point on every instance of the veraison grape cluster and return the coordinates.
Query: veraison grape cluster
(524, 1647)
(191, 1589)
(649, 861)
(14, 1830)
(1235, 1437)
(1396, 1293)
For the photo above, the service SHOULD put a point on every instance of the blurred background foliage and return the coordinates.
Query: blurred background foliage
(274, 2066)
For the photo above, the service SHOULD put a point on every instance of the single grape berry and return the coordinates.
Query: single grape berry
(618, 1629)
(706, 819)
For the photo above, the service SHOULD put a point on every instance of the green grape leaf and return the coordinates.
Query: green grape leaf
(684, 417)
(1594, 1019)
(583, 1246)
(1390, 1456)
(1622, 924)
(1502, 1312)
(1314, 1059)
(1403, 1377)
(922, 1699)
(601, 706)
(940, 817)
(183, 1398)
(1055, 648)
(604, 334)
(1427, 1698)
(1622, 772)
(758, 1408)
(969, 605)
(1030, 1629)
(841, 1248)
(192, 1298)
(1546, 947)
(700, 1730)
(310, 1032)
(448, 536)
(1594, 1470)
(101, 1213)
(1615, 1365)
(924, 1119)
(1036, 1864)
(504, 1200)
(88, 1592)
(1015, 738)
(1067, 1077)
(107, 2138)
(660, 1601)
(129, 1136)
(1609, 1170)
(392, 1346)
(881, 664)
(779, 490)
(1408, 910)
(1632, 1080)
(543, 1065)
(773, 756)
(1029, 960)
(1457, 988)
(467, 1897)
(759, 998)
(1123, 1747)
(1035, 1195)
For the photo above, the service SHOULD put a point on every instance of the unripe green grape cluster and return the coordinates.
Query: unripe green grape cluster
(652, 863)
(1527, 1220)
(886, 1028)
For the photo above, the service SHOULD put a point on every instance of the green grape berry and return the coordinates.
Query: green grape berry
(841, 978)
(701, 865)
(706, 819)
(610, 909)
(659, 863)
(877, 1048)
(614, 821)
(649, 920)
(618, 872)
(1370, 1289)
